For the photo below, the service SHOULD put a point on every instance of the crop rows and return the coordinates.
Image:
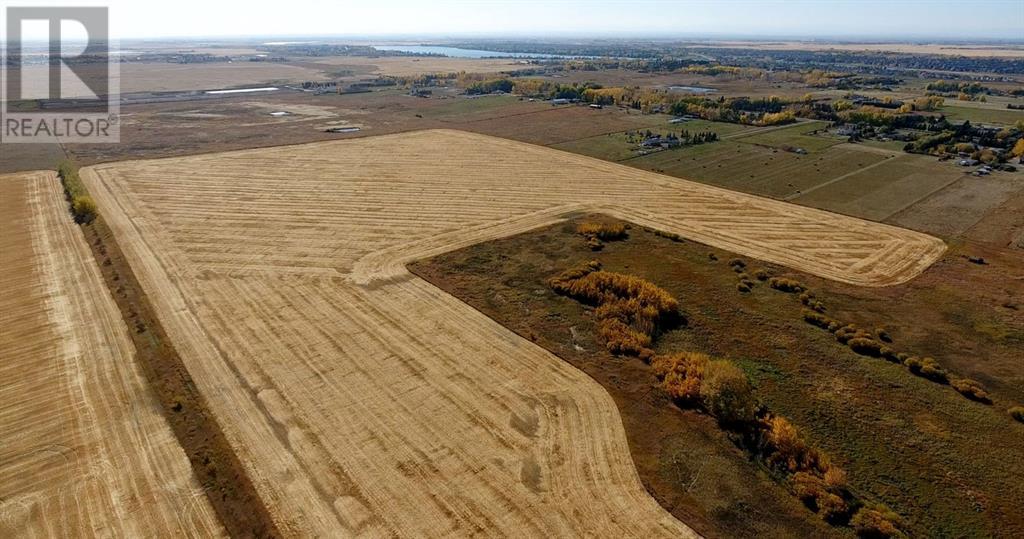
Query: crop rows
(363, 399)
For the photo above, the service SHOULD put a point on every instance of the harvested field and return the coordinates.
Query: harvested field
(84, 448)
(363, 399)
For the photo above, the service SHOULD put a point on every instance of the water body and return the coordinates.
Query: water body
(243, 90)
(454, 52)
(692, 89)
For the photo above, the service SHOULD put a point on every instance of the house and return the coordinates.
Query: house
(651, 142)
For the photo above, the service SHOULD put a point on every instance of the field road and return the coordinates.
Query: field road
(84, 448)
(363, 400)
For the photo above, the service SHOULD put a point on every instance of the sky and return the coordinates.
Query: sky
(823, 19)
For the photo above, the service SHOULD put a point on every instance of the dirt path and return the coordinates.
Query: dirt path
(84, 448)
(363, 400)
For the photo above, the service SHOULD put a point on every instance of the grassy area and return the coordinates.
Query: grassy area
(462, 106)
(905, 441)
(615, 147)
(756, 169)
(982, 115)
(885, 189)
(894, 146)
(797, 136)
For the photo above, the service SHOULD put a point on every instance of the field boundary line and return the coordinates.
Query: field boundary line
(839, 178)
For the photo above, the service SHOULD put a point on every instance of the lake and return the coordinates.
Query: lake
(460, 53)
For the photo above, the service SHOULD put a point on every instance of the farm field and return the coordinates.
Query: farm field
(798, 135)
(361, 398)
(880, 192)
(869, 180)
(953, 211)
(734, 164)
(615, 146)
(84, 447)
(978, 113)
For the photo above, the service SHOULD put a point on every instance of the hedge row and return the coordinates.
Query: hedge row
(83, 208)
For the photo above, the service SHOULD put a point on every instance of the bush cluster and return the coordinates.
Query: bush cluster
(761, 274)
(603, 231)
(822, 321)
(876, 522)
(971, 389)
(83, 208)
(716, 385)
(785, 450)
(927, 368)
(670, 235)
(630, 310)
(820, 497)
(743, 282)
(597, 233)
(1017, 412)
(811, 301)
(786, 285)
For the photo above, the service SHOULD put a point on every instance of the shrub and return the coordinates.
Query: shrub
(786, 449)
(681, 374)
(876, 522)
(670, 235)
(737, 263)
(742, 286)
(630, 310)
(761, 274)
(816, 493)
(1017, 412)
(832, 508)
(845, 333)
(619, 338)
(822, 321)
(835, 477)
(726, 393)
(563, 280)
(83, 208)
(603, 231)
(882, 335)
(786, 285)
(865, 346)
(927, 368)
(971, 389)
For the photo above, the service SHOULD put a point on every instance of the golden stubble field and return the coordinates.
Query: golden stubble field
(363, 400)
(84, 449)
